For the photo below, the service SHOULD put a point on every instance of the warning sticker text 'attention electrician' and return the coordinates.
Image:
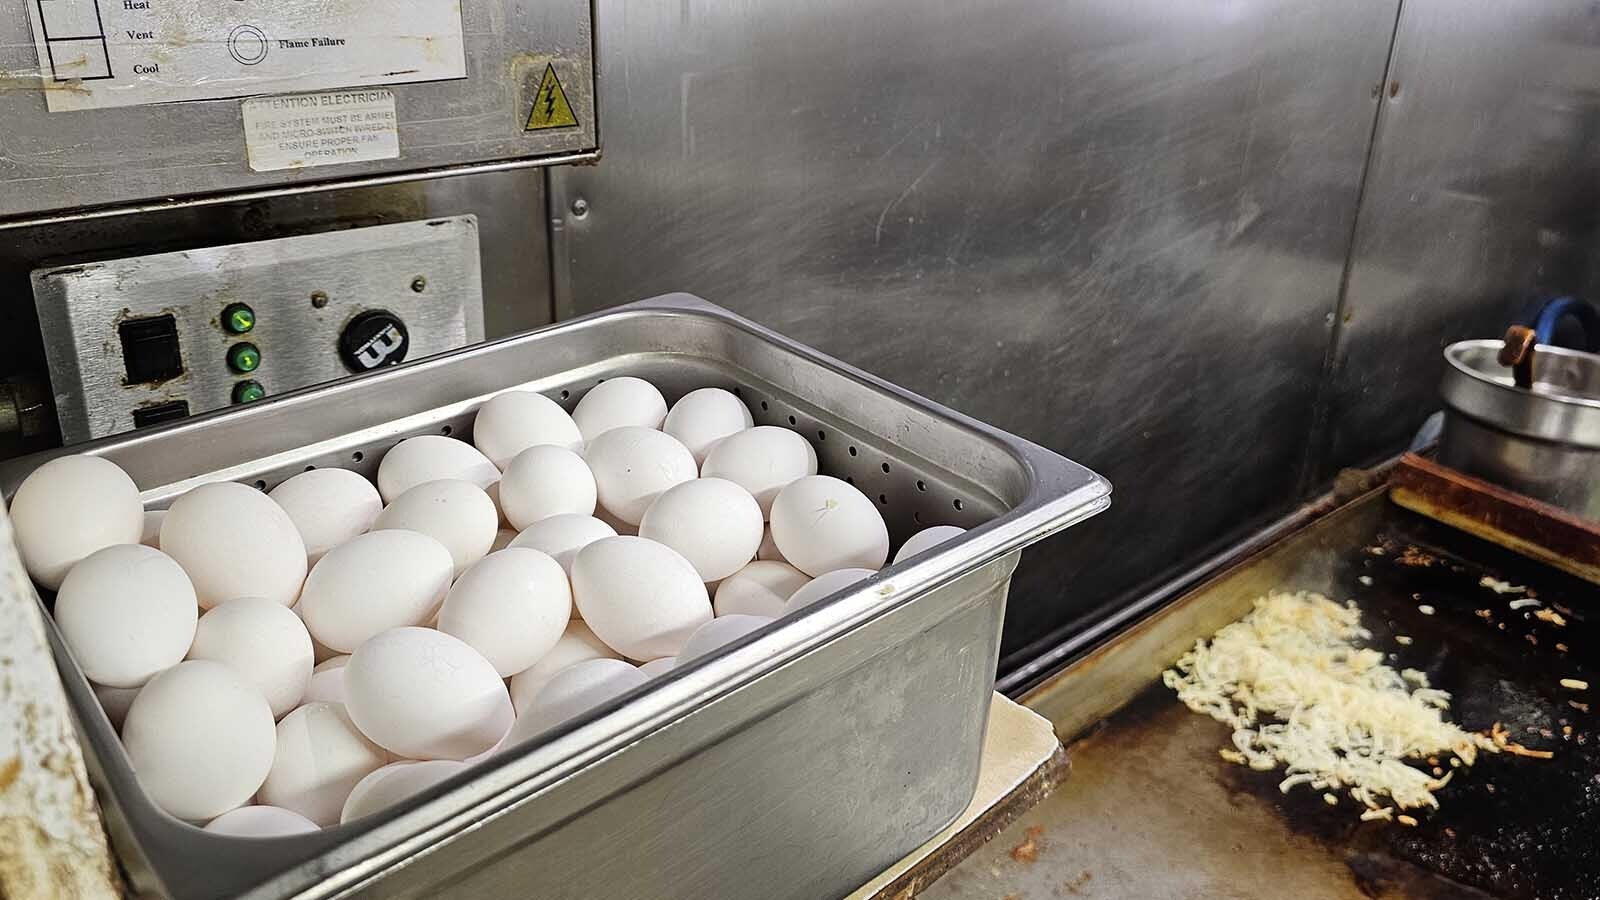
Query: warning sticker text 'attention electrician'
(304, 130)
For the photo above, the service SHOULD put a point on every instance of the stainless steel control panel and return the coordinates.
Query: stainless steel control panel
(143, 340)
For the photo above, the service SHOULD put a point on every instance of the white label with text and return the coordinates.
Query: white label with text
(103, 53)
(303, 130)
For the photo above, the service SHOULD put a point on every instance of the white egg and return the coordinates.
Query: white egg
(70, 507)
(656, 668)
(512, 422)
(265, 642)
(704, 417)
(512, 607)
(572, 692)
(762, 460)
(457, 514)
(633, 465)
(927, 539)
(577, 643)
(618, 402)
(715, 524)
(126, 612)
(760, 589)
(822, 524)
(328, 507)
(563, 536)
(394, 784)
(719, 632)
(380, 580)
(769, 548)
(234, 542)
(260, 822)
(640, 597)
(200, 738)
(432, 457)
(502, 540)
(321, 756)
(327, 682)
(423, 694)
(115, 701)
(825, 585)
(546, 481)
(151, 537)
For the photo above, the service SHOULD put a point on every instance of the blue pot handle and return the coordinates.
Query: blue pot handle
(1544, 325)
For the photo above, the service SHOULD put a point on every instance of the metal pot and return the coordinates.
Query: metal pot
(1542, 441)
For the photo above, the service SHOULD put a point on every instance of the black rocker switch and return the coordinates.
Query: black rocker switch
(145, 416)
(150, 349)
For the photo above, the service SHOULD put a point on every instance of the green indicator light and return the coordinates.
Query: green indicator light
(244, 358)
(238, 319)
(248, 392)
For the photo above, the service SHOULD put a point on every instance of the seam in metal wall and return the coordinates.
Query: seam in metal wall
(1316, 463)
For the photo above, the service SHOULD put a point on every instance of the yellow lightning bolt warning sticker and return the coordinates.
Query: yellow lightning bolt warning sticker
(550, 106)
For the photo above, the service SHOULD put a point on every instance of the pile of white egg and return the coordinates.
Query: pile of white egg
(286, 661)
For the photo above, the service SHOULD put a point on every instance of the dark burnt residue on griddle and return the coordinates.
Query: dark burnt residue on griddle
(1511, 825)
(1148, 788)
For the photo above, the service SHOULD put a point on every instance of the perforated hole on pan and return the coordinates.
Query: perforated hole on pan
(569, 394)
(361, 458)
(910, 500)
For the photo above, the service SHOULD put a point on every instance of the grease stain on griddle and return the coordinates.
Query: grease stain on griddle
(1032, 842)
(1516, 827)
(1155, 813)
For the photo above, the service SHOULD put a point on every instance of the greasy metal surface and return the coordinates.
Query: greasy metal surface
(81, 306)
(1480, 201)
(61, 161)
(513, 245)
(1148, 786)
(1115, 228)
(794, 747)
(1537, 530)
(1045, 658)
(1105, 676)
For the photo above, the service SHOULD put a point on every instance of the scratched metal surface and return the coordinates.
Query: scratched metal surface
(1482, 195)
(1116, 228)
(513, 245)
(1150, 811)
(56, 161)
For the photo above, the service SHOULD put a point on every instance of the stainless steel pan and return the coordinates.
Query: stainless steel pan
(795, 763)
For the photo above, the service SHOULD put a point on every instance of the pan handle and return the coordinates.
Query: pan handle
(1544, 325)
(1518, 354)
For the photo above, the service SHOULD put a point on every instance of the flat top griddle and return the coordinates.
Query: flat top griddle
(1150, 810)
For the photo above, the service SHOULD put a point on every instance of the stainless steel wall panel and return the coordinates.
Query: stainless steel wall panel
(1482, 196)
(1117, 228)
